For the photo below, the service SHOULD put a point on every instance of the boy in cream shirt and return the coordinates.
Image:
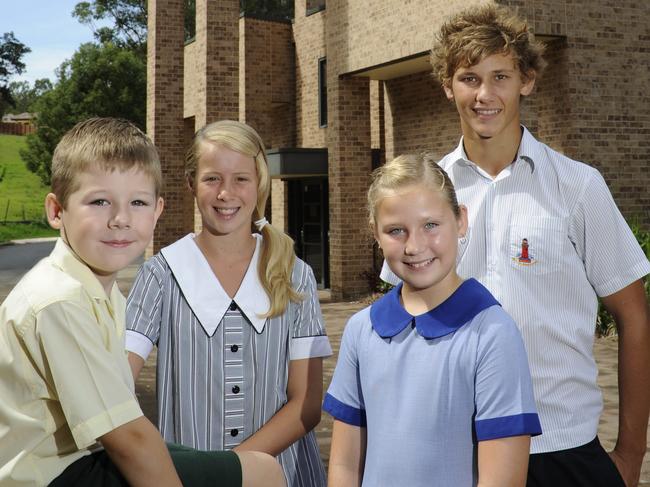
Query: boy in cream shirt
(68, 411)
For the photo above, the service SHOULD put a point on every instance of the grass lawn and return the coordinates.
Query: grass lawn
(17, 231)
(21, 194)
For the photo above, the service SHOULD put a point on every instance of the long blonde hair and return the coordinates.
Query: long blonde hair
(277, 255)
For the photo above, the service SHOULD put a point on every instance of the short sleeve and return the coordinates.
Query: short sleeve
(344, 397)
(308, 336)
(611, 254)
(505, 405)
(144, 309)
(93, 390)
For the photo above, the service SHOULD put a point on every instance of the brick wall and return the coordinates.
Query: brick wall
(378, 31)
(591, 103)
(267, 80)
(422, 117)
(608, 54)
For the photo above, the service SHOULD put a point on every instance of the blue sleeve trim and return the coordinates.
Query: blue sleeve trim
(343, 412)
(519, 424)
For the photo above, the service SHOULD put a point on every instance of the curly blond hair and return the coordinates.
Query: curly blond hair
(473, 34)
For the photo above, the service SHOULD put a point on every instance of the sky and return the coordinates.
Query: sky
(48, 29)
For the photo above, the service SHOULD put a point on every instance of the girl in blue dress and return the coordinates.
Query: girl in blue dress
(432, 385)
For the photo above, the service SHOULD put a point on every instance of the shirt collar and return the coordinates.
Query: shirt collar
(64, 258)
(389, 318)
(203, 291)
(526, 151)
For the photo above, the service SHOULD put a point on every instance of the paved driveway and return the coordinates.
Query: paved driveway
(17, 259)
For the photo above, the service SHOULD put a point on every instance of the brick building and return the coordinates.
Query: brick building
(347, 85)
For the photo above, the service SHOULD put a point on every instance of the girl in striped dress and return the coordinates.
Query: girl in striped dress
(235, 317)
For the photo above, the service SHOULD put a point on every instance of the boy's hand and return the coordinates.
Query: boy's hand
(629, 468)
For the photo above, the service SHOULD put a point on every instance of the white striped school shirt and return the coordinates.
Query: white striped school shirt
(578, 247)
(222, 370)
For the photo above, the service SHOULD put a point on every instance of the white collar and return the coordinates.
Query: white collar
(203, 291)
(527, 149)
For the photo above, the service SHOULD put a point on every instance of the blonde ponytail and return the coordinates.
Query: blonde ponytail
(276, 265)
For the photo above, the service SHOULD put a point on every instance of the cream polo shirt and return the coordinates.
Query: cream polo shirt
(64, 377)
(546, 238)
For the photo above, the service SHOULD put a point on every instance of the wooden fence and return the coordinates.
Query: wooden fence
(12, 128)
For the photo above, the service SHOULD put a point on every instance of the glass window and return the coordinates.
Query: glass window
(190, 20)
(322, 92)
(314, 6)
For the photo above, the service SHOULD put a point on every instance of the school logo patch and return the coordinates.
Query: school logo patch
(524, 257)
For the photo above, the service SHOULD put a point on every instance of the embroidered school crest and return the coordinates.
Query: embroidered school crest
(524, 257)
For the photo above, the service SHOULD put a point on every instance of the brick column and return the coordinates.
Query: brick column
(349, 162)
(165, 115)
(267, 80)
(349, 159)
(217, 38)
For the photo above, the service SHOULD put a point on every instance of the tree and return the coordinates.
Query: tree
(128, 19)
(25, 95)
(99, 80)
(11, 53)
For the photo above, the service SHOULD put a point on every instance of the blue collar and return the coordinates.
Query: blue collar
(388, 316)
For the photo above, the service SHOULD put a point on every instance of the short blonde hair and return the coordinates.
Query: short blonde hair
(473, 34)
(409, 170)
(277, 257)
(110, 143)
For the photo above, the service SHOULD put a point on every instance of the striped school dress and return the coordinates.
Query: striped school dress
(222, 370)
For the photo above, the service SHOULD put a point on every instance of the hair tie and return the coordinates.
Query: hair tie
(261, 223)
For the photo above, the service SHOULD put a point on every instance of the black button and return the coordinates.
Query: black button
(235, 389)
(234, 348)
(234, 432)
(233, 306)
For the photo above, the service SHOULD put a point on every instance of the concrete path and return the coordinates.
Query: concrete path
(16, 259)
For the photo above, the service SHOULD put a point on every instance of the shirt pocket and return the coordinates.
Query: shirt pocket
(537, 244)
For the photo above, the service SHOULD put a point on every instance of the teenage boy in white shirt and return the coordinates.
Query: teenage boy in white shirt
(546, 238)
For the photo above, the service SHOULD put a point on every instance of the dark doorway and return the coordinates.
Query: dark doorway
(309, 224)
